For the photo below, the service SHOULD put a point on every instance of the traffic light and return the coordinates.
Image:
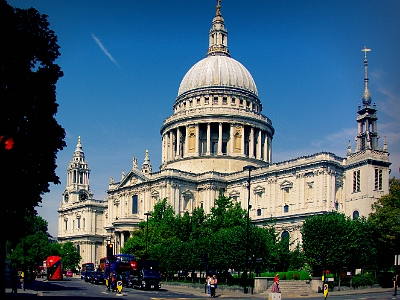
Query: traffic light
(7, 143)
(110, 251)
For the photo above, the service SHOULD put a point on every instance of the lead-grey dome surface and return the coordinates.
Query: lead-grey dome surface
(218, 70)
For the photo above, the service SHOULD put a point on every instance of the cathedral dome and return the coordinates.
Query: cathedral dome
(218, 70)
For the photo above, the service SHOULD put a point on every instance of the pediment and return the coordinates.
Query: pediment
(134, 177)
(286, 185)
(259, 189)
(234, 193)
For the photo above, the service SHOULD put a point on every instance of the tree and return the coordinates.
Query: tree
(28, 92)
(226, 214)
(33, 248)
(69, 256)
(325, 240)
(31, 251)
(333, 241)
(386, 221)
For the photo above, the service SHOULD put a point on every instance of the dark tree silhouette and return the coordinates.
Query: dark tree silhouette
(30, 136)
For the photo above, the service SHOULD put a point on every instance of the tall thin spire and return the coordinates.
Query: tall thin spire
(366, 97)
(367, 133)
(218, 35)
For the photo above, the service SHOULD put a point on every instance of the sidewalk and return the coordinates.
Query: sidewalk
(31, 289)
(238, 294)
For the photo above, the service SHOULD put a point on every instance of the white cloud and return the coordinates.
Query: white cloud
(105, 51)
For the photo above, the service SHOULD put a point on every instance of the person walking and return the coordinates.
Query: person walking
(14, 281)
(22, 280)
(208, 283)
(275, 285)
(212, 287)
(215, 284)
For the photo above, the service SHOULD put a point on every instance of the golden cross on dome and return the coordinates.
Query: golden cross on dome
(365, 50)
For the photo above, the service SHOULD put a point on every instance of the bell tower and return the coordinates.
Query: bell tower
(367, 169)
(77, 186)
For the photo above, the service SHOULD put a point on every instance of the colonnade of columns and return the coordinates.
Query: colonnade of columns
(216, 138)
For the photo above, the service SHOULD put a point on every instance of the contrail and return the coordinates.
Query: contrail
(98, 42)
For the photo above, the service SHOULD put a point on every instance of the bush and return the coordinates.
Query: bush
(290, 275)
(363, 280)
(304, 275)
(356, 281)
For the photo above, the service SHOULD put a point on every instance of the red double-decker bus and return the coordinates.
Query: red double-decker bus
(54, 268)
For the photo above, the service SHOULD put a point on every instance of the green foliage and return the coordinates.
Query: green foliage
(386, 223)
(356, 281)
(55, 249)
(304, 275)
(28, 94)
(197, 242)
(333, 240)
(292, 275)
(296, 258)
(31, 251)
(69, 256)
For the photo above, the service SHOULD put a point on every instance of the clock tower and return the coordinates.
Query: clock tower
(77, 187)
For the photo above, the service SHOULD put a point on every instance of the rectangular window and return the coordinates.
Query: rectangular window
(66, 224)
(79, 222)
(84, 223)
(233, 101)
(134, 204)
(378, 179)
(215, 101)
(206, 100)
(224, 100)
(356, 181)
(198, 101)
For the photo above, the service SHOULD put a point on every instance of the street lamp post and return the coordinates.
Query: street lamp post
(147, 214)
(247, 168)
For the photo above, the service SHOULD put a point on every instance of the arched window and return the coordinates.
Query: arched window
(285, 238)
(286, 208)
(356, 214)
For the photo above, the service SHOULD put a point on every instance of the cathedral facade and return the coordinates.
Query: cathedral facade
(218, 139)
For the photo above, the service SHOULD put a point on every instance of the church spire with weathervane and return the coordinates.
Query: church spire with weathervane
(366, 97)
(218, 35)
(367, 133)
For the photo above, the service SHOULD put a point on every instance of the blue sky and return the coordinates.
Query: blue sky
(123, 62)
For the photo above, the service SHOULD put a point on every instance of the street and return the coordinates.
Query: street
(77, 289)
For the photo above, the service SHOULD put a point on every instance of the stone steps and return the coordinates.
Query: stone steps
(296, 287)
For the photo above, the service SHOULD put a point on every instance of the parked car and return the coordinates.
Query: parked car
(97, 278)
(68, 273)
(83, 274)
